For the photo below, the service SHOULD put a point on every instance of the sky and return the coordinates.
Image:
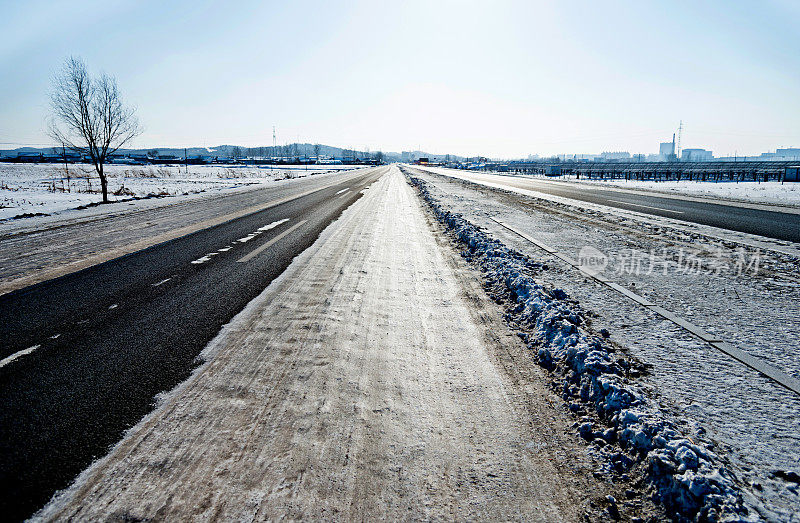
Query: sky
(503, 79)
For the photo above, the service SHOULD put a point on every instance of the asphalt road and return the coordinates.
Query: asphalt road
(770, 224)
(109, 338)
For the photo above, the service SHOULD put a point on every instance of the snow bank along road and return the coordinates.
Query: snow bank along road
(83, 355)
(754, 421)
(751, 219)
(370, 380)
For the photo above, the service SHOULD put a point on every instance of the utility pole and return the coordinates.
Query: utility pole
(185, 161)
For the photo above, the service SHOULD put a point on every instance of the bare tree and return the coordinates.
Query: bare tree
(89, 116)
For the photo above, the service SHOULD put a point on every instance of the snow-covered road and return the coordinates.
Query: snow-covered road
(373, 379)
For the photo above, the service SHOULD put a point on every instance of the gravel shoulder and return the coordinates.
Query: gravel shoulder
(372, 379)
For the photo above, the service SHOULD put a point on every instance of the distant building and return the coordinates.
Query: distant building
(792, 153)
(617, 155)
(666, 151)
(696, 155)
(27, 157)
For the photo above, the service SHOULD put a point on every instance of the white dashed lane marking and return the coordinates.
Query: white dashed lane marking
(270, 243)
(245, 239)
(18, 354)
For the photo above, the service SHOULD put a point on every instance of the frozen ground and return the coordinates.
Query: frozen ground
(31, 189)
(755, 421)
(372, 380)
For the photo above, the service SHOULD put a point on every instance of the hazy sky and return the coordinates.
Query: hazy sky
(502, 79)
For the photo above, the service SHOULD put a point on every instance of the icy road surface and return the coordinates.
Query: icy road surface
(372, 379)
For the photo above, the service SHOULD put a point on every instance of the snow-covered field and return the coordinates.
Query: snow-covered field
(32, 189)
(756, 192)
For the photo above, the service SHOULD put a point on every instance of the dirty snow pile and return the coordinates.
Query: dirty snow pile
(629, 431)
